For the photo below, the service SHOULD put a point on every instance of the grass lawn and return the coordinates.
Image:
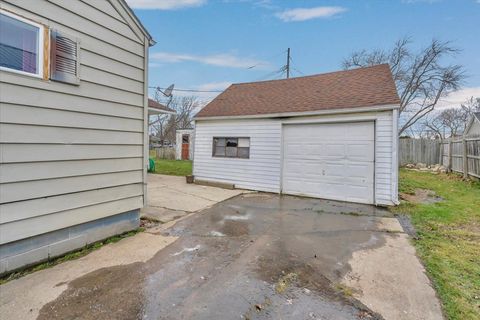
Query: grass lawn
(449, 238)
(173, 167)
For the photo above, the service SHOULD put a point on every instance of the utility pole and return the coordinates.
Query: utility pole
(288, 63)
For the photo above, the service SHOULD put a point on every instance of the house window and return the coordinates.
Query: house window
(231, 147)
(21, 45)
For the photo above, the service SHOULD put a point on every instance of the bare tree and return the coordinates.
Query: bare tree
(185, 108)
(452, 121)
(434, 126)
(471, 106)
(421, 78)
(164, 126)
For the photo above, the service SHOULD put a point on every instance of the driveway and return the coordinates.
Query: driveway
(170, 197)
(254, 256)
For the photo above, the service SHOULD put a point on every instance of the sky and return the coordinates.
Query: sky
(209, 44)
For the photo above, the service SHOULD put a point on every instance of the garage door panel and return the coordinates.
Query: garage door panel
(360, 151)
(333, 150)
(332, 161)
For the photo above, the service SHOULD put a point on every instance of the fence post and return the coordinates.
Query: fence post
(465, 159)
(440, 161)
(450, 157)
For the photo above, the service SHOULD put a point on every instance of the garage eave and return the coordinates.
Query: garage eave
(300, 114)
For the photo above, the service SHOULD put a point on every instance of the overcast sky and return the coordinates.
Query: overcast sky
(208, 44)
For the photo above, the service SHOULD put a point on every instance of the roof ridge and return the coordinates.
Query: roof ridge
(311, 75)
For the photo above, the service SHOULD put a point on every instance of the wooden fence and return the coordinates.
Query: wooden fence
(462, 156)
(457, 154)
(163, 153)
(419, 150)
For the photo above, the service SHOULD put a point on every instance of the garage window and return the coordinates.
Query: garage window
(21, 45)
(231, 147)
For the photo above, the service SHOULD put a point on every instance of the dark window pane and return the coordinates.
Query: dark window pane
(220, 142)
(219, 151)
(231, 152)
(244, 152)
(185, 138)
(232, 142)
(18, 45)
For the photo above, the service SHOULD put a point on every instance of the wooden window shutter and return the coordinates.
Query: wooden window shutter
(64, 58)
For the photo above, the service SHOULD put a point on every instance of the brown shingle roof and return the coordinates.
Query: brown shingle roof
(155, 105)
(363, 87)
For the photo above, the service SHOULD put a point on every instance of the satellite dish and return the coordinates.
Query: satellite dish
(168, 91)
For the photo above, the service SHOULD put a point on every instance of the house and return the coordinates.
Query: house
(185, 139)
(156, 108)
(73, 134)
(331, 136)
(473, 126)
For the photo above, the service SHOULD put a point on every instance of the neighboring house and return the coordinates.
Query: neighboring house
(331, 136)
(155, 108)
(473, 126)
(74, 144)
(185, 139)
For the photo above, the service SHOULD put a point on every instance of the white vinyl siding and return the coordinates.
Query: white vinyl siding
(263, 170)
(260, 172)
(73, 154)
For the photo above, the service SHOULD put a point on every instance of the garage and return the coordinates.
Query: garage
(331, 136)
(331, 161)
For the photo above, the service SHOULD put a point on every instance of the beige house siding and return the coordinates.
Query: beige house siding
(73, 154)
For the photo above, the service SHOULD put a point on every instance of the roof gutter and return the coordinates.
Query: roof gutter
(137, 21)
(300, 114)
(155, 111)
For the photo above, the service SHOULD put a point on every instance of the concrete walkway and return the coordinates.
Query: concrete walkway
(170, 197)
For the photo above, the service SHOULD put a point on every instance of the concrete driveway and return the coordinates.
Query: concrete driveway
(254, 256)
(170, 197)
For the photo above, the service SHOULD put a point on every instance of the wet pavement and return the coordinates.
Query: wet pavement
(255, 256)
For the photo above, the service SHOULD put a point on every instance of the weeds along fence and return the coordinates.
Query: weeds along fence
(459, 155)
(163, 153)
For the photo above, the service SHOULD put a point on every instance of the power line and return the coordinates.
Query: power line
(284, 69)
(188, 90)
(271, 74)
(268, 58)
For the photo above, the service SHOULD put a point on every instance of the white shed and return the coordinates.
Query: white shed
(185, 141)
(331, 136)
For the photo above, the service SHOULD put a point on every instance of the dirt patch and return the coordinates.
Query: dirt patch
(421, 196)
(147, 223)
(234, 228)
(103, 294)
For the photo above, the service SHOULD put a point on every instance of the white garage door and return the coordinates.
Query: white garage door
(330, 161)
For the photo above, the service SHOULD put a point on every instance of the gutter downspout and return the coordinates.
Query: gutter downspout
(395, 156)
(145, 119)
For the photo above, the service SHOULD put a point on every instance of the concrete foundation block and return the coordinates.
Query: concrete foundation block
(25, 252)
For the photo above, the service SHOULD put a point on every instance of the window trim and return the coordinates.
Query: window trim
(41, 44)
(225, 156)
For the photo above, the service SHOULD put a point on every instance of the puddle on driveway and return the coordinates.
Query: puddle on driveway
(301, 244)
